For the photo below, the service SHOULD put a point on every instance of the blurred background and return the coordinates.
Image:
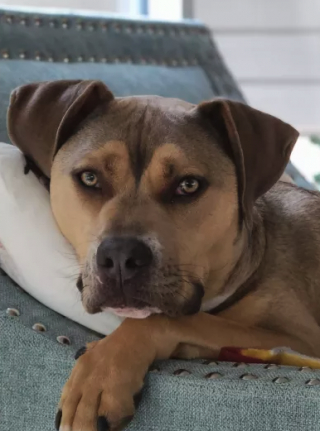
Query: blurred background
(272, 47)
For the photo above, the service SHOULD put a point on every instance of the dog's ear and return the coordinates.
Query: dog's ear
(259, 145)
(42, 116)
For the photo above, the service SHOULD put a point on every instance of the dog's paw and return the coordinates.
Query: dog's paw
(103, 390)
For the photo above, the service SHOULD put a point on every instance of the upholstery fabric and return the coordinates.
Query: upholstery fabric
(178, 395)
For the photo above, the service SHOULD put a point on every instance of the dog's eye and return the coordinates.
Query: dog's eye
(188, 186)
(89, 179)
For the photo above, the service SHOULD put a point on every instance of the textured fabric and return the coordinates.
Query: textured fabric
(132, 57)
(34, 366)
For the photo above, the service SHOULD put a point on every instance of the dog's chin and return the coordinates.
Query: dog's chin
(133, 313)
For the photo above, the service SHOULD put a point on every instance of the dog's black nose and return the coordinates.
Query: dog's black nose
(123, 258)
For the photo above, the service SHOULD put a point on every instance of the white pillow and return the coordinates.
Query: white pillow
(33, 252)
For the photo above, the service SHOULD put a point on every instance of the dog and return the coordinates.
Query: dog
(180, 225)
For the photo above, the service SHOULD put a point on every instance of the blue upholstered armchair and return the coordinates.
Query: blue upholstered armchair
(132, 57)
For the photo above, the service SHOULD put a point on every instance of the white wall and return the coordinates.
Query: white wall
(105, 5)
(273, 49)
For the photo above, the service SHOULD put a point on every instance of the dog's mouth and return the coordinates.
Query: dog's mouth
(140, 302)
(134, 313)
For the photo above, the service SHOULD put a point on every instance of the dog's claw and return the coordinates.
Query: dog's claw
(102, 424)
(80, 352)
(136, 399)
(58, 419)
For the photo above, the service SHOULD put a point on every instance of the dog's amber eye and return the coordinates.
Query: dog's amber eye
(89, 179)
(188, 186)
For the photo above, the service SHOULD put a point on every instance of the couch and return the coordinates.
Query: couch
(133, 57)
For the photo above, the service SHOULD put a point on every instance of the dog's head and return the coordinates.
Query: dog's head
(153, 193)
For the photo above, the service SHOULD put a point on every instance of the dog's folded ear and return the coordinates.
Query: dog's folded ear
(42, 116)
(259, 145)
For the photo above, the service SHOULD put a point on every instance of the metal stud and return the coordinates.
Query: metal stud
(240, 365)
(92, 59)
(313, 382)
(91, 27)
(64, 340)
(116, 60)
(65, 24)
(52, 24)
(212, 363)
(5, 54)
(80, 59)
(128, 29)
(181, 372)
(22, 55)
(160, 31)
(39, 327)
(248, 377)
(79, 25)
(66, 60)
(139, 29)
(104, 27)
(50, 59)
(281, 380)
(9, 19)
(12, 312)
(212, 376)
(23, 21)
(103, 60)
(174, 63)
(37, 57)
(271, 367)
(37, 22)
(116, 27)
(150, 29)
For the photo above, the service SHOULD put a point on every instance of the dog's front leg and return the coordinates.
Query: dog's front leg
(105, 384)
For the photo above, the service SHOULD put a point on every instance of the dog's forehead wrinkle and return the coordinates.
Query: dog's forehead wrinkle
(143, 124)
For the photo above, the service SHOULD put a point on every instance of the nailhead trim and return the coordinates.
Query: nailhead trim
(212, 363)
(104, 25)
(313, 382)
(248, 377)
(12, 312)
(212, 376)
(280, 380)
(271, 366)
(5, 54)
(39, 327)
(240, 365)
(63, 340)
(181, 372)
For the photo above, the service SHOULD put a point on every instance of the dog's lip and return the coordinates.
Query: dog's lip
(135, 313)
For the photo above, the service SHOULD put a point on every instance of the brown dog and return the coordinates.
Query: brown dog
(173, 213)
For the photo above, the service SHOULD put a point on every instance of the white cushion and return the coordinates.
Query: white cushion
(33, 252)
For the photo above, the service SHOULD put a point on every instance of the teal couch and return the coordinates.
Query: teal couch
(132, 57)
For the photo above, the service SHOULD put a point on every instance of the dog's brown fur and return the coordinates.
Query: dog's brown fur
(247, 254)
